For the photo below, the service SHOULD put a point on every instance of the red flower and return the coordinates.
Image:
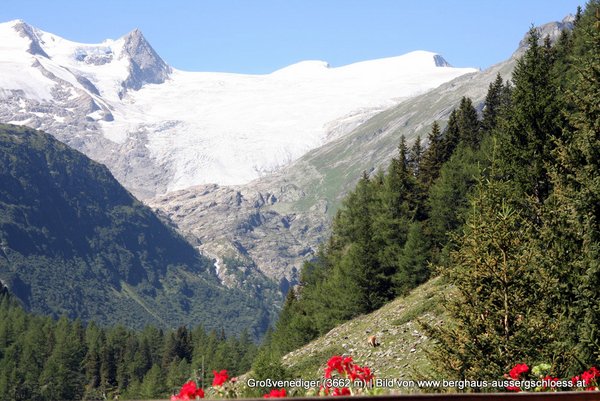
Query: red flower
(551, 381)
(589, 375)
(188, 392)
(361, 374)
(335, 363)
(220, 378)
(276, 394)
(516, 372)
(341, 391)
(513, 388)
(347, 364)
(589, 378)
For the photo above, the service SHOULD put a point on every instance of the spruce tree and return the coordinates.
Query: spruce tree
(451, 136)
(497, 319)
(573, 228)
(468, 124)
(532, 126)
(432, 157)
(415, 155)
(493, 105)
(413, 261)
(363, 284)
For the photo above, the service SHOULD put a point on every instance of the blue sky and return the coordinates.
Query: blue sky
(264, 35)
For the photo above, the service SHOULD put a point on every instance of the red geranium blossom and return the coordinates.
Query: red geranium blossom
(341, 391)
(276, 394)
(361, 373)
(220, 378)
(189, 391)
(516, 372)
(589, 377)
(335, 363)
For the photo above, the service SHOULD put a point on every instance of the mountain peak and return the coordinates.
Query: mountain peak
(552, 30)
(146, 65)
(27, 31)
(440, 61)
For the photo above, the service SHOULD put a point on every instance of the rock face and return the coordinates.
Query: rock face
(245, 227)
(27, 31)
(552, 30)
(146, 65)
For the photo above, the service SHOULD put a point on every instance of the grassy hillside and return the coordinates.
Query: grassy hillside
(402, 353)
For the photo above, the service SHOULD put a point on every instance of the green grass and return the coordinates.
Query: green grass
(403, 350)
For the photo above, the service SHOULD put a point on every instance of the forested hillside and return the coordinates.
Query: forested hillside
(45, 359)
(73, 241)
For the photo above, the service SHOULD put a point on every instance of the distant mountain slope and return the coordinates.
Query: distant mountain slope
(279, 220)
(160, 129)
(74, 241)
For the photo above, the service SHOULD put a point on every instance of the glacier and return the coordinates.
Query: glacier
(160, 129)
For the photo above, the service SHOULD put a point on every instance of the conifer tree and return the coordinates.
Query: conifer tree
(497, 319)
(532, 128)
(451, 136)
(448, 197)
(363, 284)
(468, 124)
(432, 157)
(572, 235)
(413, 261)
(494, 102)
(414, 156)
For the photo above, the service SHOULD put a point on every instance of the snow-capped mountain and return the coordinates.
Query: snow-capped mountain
(160, 129)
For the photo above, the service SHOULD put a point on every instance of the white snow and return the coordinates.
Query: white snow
(220, 127)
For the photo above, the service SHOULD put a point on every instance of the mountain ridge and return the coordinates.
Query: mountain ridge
(161, 129)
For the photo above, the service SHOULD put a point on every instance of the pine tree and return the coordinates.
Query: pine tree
(413, 261)
(415, 155)
(451, 136)
(359, 283)
(496, 313)
(532, 127)
(62, 378)
(468, 124)
(494, 103)
(573, 229)
(154, 386)
(432, 157)
(448, 197)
